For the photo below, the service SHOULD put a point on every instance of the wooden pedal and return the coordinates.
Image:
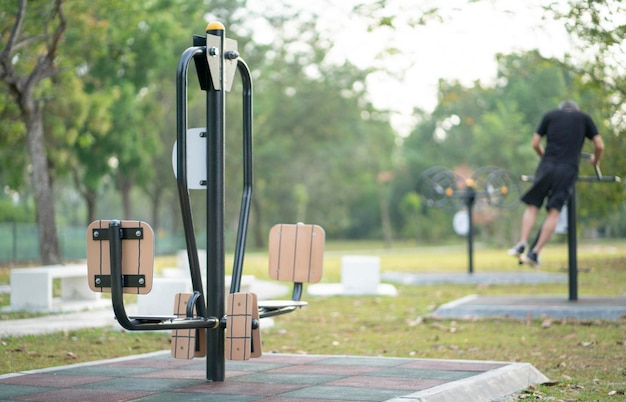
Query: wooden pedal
(186, 343)
(242, 342)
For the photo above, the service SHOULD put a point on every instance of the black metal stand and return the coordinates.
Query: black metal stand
(470, 198)
(572, 242)
(211, 55)
(493, 186)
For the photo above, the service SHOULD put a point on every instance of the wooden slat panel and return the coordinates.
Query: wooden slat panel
(183, 346)
(296, 253)
(238, 344)
(183, 340)
(137, 256)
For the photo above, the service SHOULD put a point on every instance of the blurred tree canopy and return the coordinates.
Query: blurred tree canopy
(323, 152)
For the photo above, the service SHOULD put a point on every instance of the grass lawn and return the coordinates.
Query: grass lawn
(586, 360)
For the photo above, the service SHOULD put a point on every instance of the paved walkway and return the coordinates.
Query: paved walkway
(274, 377)
(514, 306)
(534, 306)
(488, 278)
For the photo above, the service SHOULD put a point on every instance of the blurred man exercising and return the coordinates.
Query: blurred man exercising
(565, 130)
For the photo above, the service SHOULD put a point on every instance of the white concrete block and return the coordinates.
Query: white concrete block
(31, 288)
(360, 275)
(160, 301)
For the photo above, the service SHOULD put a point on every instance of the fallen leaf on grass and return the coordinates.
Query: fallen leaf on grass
(585, 344)
(412, 323)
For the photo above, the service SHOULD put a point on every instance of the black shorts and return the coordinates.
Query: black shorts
(553, 180)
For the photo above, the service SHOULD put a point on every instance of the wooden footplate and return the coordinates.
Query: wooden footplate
(187, 343)
(137, 256)
(243, 335)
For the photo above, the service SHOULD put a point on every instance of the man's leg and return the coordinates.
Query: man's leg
(528, 221)
(547, 230)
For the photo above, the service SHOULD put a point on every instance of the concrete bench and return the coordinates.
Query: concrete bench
(32, 288)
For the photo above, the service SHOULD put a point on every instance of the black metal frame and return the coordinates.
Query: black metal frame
(209, 305)
(572, 241)
(468, 197)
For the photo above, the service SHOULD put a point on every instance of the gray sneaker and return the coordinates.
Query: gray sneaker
(517, 250)
(532, 259)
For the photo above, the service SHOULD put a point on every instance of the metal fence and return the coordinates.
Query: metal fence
(19, 242)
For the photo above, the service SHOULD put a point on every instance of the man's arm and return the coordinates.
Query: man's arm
(598, 149)
(536, 144)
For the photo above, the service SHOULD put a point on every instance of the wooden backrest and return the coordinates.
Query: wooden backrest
(137, 256)
(296, 253)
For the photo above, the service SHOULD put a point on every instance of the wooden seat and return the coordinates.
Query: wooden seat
(296, 254)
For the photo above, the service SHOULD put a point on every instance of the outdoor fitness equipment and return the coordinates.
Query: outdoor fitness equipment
(488, 186)
(120, 254)
(572, 258)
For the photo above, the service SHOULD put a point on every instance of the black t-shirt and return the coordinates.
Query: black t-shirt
(565, 131)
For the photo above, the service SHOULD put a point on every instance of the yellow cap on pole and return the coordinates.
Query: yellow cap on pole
(215, 26)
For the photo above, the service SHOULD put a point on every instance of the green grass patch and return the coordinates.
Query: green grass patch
(33, 352)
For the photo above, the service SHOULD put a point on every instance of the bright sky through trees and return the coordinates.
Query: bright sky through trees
(463, 46)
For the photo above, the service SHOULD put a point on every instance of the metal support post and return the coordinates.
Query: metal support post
(572, 245)
(215, 203)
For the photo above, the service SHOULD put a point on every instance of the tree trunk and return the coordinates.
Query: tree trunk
(125, 185)
(48, 239)
(91, 199)
(155, 204)
(384, 216)
(259, 235)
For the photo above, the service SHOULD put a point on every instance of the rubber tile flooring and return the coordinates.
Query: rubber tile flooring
(273, 377)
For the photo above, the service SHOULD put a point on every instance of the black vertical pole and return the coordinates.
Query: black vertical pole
(571, 246)
(215, 360)
(469, 202)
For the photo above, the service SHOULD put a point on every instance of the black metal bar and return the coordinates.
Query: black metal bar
(215, 361)
(296, 294)
(246, 196)
(128, 281)
(181, 172)
(572, 246)
(117, 296)
(126, 233)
